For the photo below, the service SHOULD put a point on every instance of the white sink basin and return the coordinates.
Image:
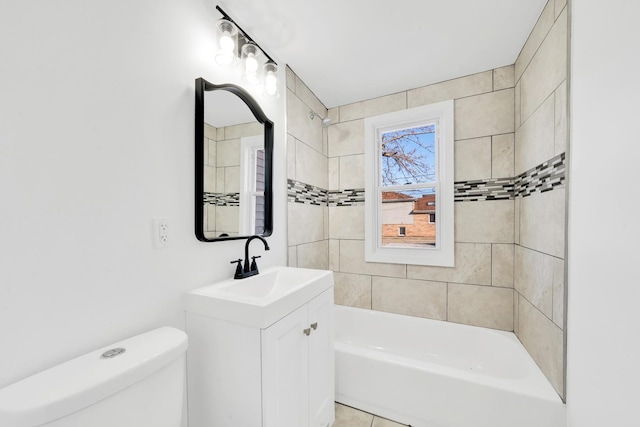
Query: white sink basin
(260, 300)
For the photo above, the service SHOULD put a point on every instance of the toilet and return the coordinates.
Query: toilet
(136, 382)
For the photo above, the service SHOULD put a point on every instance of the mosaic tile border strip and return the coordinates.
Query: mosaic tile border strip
(546, 176)
(221, 199)
(299, 192)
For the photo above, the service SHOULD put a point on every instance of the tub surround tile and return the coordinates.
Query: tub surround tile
(516, 221)
(228, 153)
(351, 171)
(305, 223)
(373, 107)
(538, 34)
(504, 77)
(383, 422)
(561, 118)
(542, 222)
(346, 138)
(346, 197)
(484, 222)
(473, 266)
(534, 278)
(419, 298)
(559, 6)
(350, 417)
(484, 306)
(314, 255)
(299, 192)
(516, 311)
(334, 115)
(484, 115)
(544, 342)
(334, 255)
(232, 179)
(502, 259)
(311, 166)
(292, 256)
(307, 96)
(547, 69)
(246, 129)
(535, 139)
(558, 292)
(334, 173)
(502, 155)
(290, 78)
(517, 107)
(210, 132)
(346, 222)
(462, 87)
(352, 261)
(353, 290)
(300, 125)
(486, 189)
(472, 159)
(291, 157)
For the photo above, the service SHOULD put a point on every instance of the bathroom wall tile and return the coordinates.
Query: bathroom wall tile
(485, 306)
(559, 7)
(325, 141)
(502, 155)
(484, 222)
(484, 115)
(350, 417)
(462, 87)
(373, 107)
(227, 219)
(411, 297)
(547, 69)
(472, 265)
(353, 290)
(209, 217)
(334, 115)
(311, 166)
(503, 78)
(334, 173)
(300, 125)
(291, 157)
(561, 118)
(346, 222)
(346, 138)
(210, 149)
(538, 34)
(351, 172)
(352, 261)
(314, 255)
(383, 422)
(307, 96)
(291, 79)
(518, 106)
(325, 210)
(228, 153)
(534, 278)
(240, 131)
(292, 256)
(210, 132)
(220, 135)
(305, 223)
(232, 179)
(472, 159)
(502, 259)
(210, 174)
(516, 220)
(220, 180)
(542, 222)
(535, 138)
(516, 311)
(334, 255)
(544, 342)
(558, 292)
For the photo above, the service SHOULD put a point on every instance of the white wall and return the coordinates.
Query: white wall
(604, 278)
(96, 139)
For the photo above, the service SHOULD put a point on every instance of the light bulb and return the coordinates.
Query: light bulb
(226, 42)
(251, 64)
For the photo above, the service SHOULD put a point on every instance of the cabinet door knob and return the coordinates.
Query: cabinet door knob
(314, 326)
(307, 331)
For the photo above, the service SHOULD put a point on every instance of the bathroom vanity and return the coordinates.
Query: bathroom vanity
(261, 350)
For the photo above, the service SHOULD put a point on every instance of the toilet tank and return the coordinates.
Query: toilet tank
(140, 386)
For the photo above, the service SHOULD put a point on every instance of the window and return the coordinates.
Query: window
(252, 210)
(408, 182)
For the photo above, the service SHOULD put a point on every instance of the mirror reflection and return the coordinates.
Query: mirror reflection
(235, 157)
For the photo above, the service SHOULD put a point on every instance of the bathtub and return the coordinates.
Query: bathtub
(430, 373)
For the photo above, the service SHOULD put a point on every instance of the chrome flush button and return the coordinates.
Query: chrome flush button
(113, 353)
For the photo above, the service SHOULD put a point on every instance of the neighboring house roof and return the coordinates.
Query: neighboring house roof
(393, 196)
(425, 204)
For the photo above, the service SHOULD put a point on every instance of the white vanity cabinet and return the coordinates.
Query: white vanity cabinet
(279, 375)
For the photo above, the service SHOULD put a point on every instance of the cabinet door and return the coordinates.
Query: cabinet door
(285, 365)
(321, 361)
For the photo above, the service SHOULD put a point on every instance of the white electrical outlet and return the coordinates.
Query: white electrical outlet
(161, 232)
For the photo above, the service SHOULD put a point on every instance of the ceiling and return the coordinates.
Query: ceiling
(352, 50)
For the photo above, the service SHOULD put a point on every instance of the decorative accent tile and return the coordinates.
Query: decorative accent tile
(300, 192)
(221, 199)
(351, 197)
(546, 176)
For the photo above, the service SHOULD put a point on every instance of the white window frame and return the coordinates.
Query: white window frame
(248, 147)
(443, 252)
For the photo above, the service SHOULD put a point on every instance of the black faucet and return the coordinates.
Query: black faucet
(249, 269)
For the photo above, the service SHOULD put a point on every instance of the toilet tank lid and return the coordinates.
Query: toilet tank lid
(78, 383)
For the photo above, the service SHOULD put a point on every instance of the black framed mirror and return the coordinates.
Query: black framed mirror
(233, 164)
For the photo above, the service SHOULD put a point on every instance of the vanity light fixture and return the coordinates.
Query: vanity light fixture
(234, 44)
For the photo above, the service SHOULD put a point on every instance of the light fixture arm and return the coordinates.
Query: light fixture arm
(244, 33)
